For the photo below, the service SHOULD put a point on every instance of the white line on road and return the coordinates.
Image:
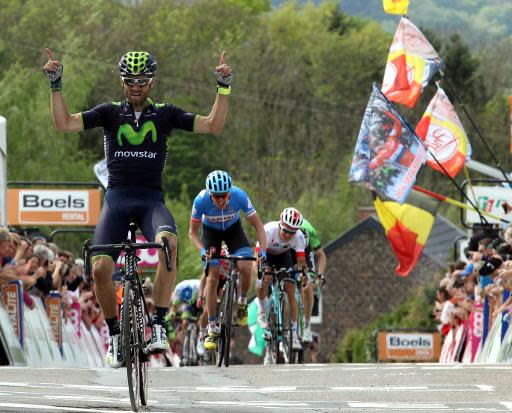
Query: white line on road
(399, 406)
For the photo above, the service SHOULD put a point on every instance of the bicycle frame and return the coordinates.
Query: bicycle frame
(226, 310)
(134, 313)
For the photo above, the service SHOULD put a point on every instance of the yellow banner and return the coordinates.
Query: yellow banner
(396, 6)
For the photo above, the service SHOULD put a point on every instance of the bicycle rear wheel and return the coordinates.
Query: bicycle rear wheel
(286, 315)
(129, 337)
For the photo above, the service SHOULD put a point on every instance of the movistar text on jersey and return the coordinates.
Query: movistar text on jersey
(135, 154)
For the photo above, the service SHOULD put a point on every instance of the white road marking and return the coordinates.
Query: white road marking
(508, 405)
(399, 406)
(47, 407)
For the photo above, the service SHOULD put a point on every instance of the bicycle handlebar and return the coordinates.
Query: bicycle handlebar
(231, 257)
(125, 246)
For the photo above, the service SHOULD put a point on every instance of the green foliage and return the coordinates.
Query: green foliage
(303, 75)
(358, 346)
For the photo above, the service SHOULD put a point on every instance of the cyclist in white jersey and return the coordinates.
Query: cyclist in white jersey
(282, 236)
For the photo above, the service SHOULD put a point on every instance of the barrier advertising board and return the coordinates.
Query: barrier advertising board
(53, 206)
(408, 346)
(13, 300)
(488, 199)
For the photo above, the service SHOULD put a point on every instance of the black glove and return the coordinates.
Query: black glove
(55, 78)
(223, 81)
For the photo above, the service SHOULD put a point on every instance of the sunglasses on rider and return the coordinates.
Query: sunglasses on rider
(128, 81)
(287, 231)
(220, 196)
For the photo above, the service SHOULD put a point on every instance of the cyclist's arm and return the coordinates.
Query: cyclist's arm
(193, 233)
(301, 262)
(255, 220)
(321, 259)
(62, 119)
(214, 122)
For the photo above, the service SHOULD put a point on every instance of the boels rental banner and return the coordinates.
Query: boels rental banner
(53, 206)
(408, 346)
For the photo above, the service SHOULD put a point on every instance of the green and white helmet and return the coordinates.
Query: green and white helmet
(137, 63)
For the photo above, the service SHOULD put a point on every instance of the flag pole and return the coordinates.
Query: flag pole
(456, 203)
(479, 133)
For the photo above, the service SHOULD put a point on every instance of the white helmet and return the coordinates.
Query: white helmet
(291, 219)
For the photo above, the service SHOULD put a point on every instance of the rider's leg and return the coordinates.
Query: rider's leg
(309, 298)
(289, 288)
(212, 281)
(245, 268)
(164, 279)
(102, 270)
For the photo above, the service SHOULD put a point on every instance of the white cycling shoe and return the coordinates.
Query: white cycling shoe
(295, 341)
(200, 347)
(307, 336)
(158, 339)
(114, 357)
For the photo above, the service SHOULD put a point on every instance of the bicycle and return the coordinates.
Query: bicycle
(189, 355)
(134, 316)
(227, 317)
(279, 332)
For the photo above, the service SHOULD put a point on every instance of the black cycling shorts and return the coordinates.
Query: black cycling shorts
(145, 206)
(234, 237)
(279, 261)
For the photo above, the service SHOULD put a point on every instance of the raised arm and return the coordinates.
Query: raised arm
(62, 119)
(214, 122)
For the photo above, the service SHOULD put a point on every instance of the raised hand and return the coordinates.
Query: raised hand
(223, 72)
(53, 71)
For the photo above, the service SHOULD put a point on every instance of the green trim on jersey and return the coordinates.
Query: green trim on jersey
(311, 235)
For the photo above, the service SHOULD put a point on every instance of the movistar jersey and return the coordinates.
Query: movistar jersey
(136, 150)
(205, 210)
(186, 292)
(310, 235)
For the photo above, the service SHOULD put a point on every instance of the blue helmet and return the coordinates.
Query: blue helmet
(186, 294)
(218, 182)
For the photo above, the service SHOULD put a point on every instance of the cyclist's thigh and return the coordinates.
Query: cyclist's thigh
(154, 217)
(113, 224)
(237, 241)
(212, 238)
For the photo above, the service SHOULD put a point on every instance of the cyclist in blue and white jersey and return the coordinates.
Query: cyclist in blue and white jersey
(135, 135)
(216, 210)
(282, 237)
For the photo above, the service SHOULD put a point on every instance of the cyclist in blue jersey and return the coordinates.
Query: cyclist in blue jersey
(216, 210)
(135, 133)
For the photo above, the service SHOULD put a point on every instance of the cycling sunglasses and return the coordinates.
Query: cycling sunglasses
(128, 81)
(219, 196)
(287, 231)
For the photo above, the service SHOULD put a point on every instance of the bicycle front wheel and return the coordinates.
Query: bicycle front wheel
(129, 337)
(286, 327)
(224, 343)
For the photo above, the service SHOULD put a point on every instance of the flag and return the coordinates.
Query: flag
(407, 227)
(443, 134)
(257, 342)
(388, 154)
(412, 61)
(396, 6)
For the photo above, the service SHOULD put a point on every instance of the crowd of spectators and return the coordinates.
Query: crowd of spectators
(43, 267)
(486, 273)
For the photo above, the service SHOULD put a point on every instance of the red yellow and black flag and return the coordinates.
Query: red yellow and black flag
(407, 227)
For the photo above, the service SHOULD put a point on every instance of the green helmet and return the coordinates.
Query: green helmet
(137, 63)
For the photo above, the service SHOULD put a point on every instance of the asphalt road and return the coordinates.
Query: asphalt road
(298, 388)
